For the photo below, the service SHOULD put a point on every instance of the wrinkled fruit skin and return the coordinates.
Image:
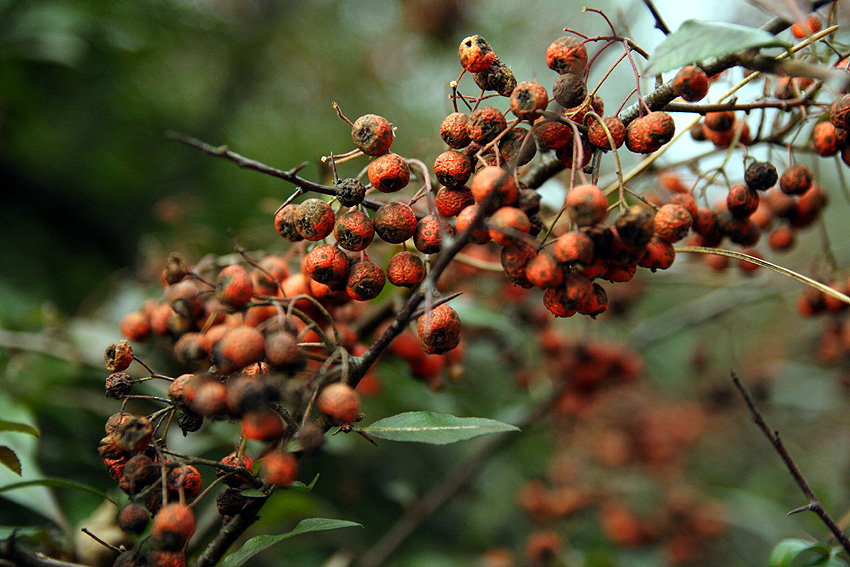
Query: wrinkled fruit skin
(439, 330)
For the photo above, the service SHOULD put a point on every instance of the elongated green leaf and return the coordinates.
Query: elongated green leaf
(257, 544)
(434, 428)
(58, 483)
(10, 460)
(696, 41)
(789, 553)
(301, 487)
(254, 493)
(19, 427)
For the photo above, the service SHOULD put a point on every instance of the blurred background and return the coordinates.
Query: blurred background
(96, 197)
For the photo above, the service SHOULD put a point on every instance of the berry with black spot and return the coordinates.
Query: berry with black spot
(314, 219)
(498, 77)
(372, 134)
(516, 147)
(262, 425)
(350, 191)
(395, 222)
(236, 479)
(479, 235)
(573, 246)
(569, 90)
(453, 130)
(237, 348)
(739, 230)
(476, 55)
(672, 222)
(279, 468)
(451, 201)
(515, 259)
(284, 223)
(795, 180)
(527, 98)
(118, 385)
(246, 393)
(648, 133)
(494, 187)
(507, 225)
(720, 121)
(134, 433)
(452, 168)
(428, 237)
(354, 231)
(230, 501)
(139, 472)
(635, 226)
(566, 55)
(543, 271)
(742, 201)
(826, 139)
(118, 356)
(193, 349)
(586, 205)
(555, 300)
(234, 286)
(760, 175)
(705, 223)
(593, 303)
(388, 173)
(189, 421)
(186, 478)
(405, 269)
(326, 264)
(485, 124)
(283, 354)
(133, 518)
(340, 402)
(686, 200)
(691, 83)
(439, 330)
(172, 527)
(839, 112)
(365, 281)
(597, 136)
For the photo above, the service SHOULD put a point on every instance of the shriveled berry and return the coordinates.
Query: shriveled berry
(236, 479)
(515, 259)
(586, 205)
(508, 224)
(395, 222)
(133, 518)
(839, 112)
(340, 402)
(279, 468)
(760, 175)
(691, 83)
(372, 134)
(453, 130)
(139, 471)
(365, 281)
(284, 223)
(451, 201)
(516, 147)
(742, 201)
(189, 421)
(230, 501)
(479, 235)
(573, 246)
(543, 271)
(172, 527)
(648, 133)
(184, 477)
(237, 348)
(283, 353)
(672, 222)
(262, 425)
(635, 225)
(825, 139)
(485, 123)
(594, 303)
(326, 264)
(452, 168)
(354, 231)
(475, 54)
(439, 330)
(498, 77)
(566, 55)
(405, 269)
(118, 356)
(234, 286)
(350, 191)
(720, 121)
(555, 300)
(428, 237)
(388, 173)
(569, 90)
(118, 385)
(527, 98)
(553, 134)
(134, 433)
(494, 187)
(597, 136)
(795, 180)
(314, 219)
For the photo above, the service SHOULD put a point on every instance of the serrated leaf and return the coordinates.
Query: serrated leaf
(10, 460)
(788, 550)
(58, 483)
(434, 428)
(698, 40)
(19, 428)
(259, 543)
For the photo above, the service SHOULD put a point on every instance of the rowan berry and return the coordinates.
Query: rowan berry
(555, 300)
(439, 330)
(283, 353)
(475, 54)
(485, 123)
(133, 518)
(739, 230)
(284, 223)
(672, 222)
(237, 348)
(395, 222)
(372, 134)
(825, 140)
(279, 468)
(597, 136)
(812, 25)
(572, 247)
(516, 147)
(118, 356)
(635, 225)
(648, 133)
(262, 425)
(405, 269)
(494, 187)
(230, 502)
(515, 259)
(498, 77)
(326, 264)
(453, 130)
(236, 479)
(839, 112)
(742, 201)
(115, 466)
(781, 238)
(350, 191)
(507, 225)
(691, 83)
(543, 271)
(705, 223)
(569, 90)
(210, 399)
(136, 326)
(566, 55)
(172, 527)
(542, 547)
(795, 180)
(451, 201)
(340, 402)
(428, 237)
(808, 206)
(388, 173)
(527, 98)
(760, 175)
(719, 121)
(593, 303)
(186, 478)
(480, 235)
(553, 134)
(189, 421)
(118, 385)
(314, 219)
(660, 254)
(354, 231)
(452, 168)
(176, 268)
(365, 281)
(567, 154)
(586, 205)
(234, 286)
(139, 472)
(134, 433)
(246, 393)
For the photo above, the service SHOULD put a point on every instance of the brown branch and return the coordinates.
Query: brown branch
(9, 551)
(745, 107)
(659, 21)
(814, 504)
(229, 533)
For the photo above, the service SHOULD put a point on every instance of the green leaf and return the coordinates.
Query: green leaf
(434, 428)
(257, 544)
(9, 459)
(696, 41)
(254, 493)
(58, 483)
(19, 427)
(793, 552)
(301, 487)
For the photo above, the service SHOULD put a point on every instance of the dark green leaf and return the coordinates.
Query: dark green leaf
(59, 483)
(789, 553)
(10, 460)
(19, 427)
(301, 487)
(434, 428)
(696, 41)
(254, 493)
(257, 544)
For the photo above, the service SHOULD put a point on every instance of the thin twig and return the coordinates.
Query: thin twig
(659, 21)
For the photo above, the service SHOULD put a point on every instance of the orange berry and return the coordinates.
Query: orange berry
(507, 224)
(239, 347)
(453, 130)
(314, 219)
(262, 425)
(234, 286)
(672, 222)
(326, 264)
(691, 83)
(566, 54)
(586, 205)
(494, 187)
(118, 356)
(372, 134)
(279, 468)
(527, 98)
(405, 269)
(172, 527)
(439, 330)
(395, 222)
(388, 173)
(475, 54)
(340, 402)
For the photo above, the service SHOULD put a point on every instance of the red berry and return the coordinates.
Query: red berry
(314, 219)
(452, 168)
(388, 173)
(236, 479)
(326, 264)
(284, 223)
(573, 246)
(527, 98)
(475, 54)
(691, 83)
(742, 201)
(172, 527)
(451, 201)
(405, 269)
(507, 224)
(795, 180)
(543, 271)
(279, 468)
(365, 281)
(660, 254)
(234, 286)
(672, 222)
(825, 139)
(485, 124)
(354, 231)
(439, 330)
(372, 134)
(597, 136)
(283, 353)
(340, 402)
(136, 326)
(262, 425)
(428, 237)
(566, 55)
(720, 121)
(237, 348)
(812, 25)
(480, 235)
(648, 133)
(453, 130)
(586, 205)
(118, 356)
(494, 187)
(395, 222)
(515, 258)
